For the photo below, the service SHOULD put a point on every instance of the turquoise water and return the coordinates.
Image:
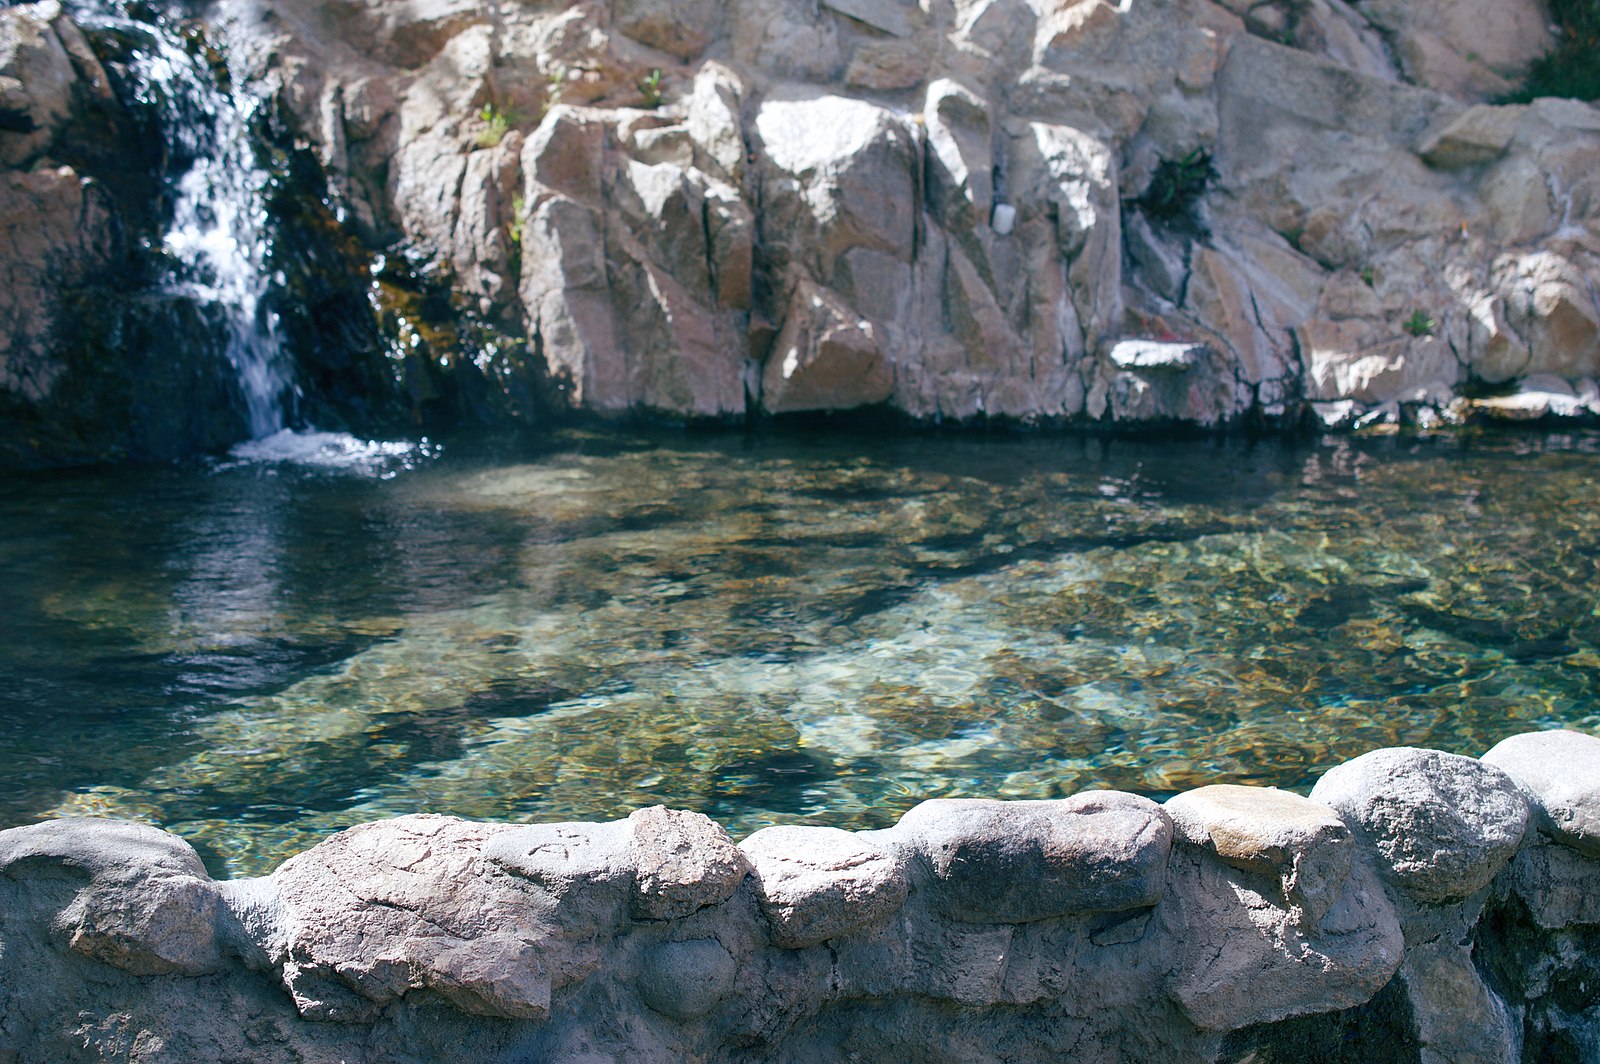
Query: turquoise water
(256, 652)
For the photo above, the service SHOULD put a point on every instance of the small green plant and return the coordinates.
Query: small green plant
(1176, 187)
(555, 85)
(1368, 276)
(496, 124)
(1419, 324)
(514, 226)
(514, 233)
(651, 87)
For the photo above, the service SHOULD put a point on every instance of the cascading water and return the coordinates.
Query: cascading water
(217, 245)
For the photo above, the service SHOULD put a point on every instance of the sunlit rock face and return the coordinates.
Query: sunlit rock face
(954, 211)
(961, 211)
(1419, 915)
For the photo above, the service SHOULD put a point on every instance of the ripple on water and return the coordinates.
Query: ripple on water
(775, 631)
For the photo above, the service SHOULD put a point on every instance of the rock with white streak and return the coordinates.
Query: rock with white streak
(827, 357)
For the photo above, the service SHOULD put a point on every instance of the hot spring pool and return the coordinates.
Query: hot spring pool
(256, 652)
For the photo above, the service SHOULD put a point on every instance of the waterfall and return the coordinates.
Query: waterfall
(217, 245)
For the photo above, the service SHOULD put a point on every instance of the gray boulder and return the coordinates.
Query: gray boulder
(1239, 956)
(1560, 770)
(585, 870)
(1443, 825)
(1012, 862)
(386, 908)
(818, 883)
(141, 900)
(827, 357)
(1560, 886)
(683, 862)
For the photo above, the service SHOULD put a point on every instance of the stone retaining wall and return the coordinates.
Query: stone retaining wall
(1420, 906)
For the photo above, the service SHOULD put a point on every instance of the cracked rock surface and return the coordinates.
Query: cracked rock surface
(1196, 212)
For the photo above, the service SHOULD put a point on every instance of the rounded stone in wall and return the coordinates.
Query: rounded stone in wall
(682, 862)
(1560, 770)
(817, 883)
(1443, 825)
(1269, 831)
(687, 979)
(1014, 862)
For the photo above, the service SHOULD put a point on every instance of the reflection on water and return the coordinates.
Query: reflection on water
(772, 630)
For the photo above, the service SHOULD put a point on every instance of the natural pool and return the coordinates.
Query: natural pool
(257, 652)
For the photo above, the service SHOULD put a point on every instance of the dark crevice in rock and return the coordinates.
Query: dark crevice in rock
(1552, 976)
(1379, 1032)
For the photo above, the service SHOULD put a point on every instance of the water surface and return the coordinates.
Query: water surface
(256, 652)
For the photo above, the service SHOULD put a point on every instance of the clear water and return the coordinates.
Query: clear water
(316, 632)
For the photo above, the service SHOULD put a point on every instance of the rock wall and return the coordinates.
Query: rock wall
(1068, 211)
(1056, 210)
(1419, 906)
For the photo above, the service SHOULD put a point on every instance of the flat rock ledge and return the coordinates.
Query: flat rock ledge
(1419, 906)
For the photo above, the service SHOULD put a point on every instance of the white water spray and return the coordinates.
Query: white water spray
(218, 244)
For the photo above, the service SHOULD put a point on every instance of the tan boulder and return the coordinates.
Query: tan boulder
(1468, 48)
(1479, 134)
(1304, 845)
(825, 358)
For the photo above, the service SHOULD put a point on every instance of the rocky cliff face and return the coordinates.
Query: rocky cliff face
(1147, 212)
(1142, 212)
(1419, 906)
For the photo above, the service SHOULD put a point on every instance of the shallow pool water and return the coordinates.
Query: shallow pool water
(259, 651)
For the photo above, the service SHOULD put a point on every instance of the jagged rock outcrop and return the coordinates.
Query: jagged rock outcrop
(961, 210)
(1421, 906)
(954, 210)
